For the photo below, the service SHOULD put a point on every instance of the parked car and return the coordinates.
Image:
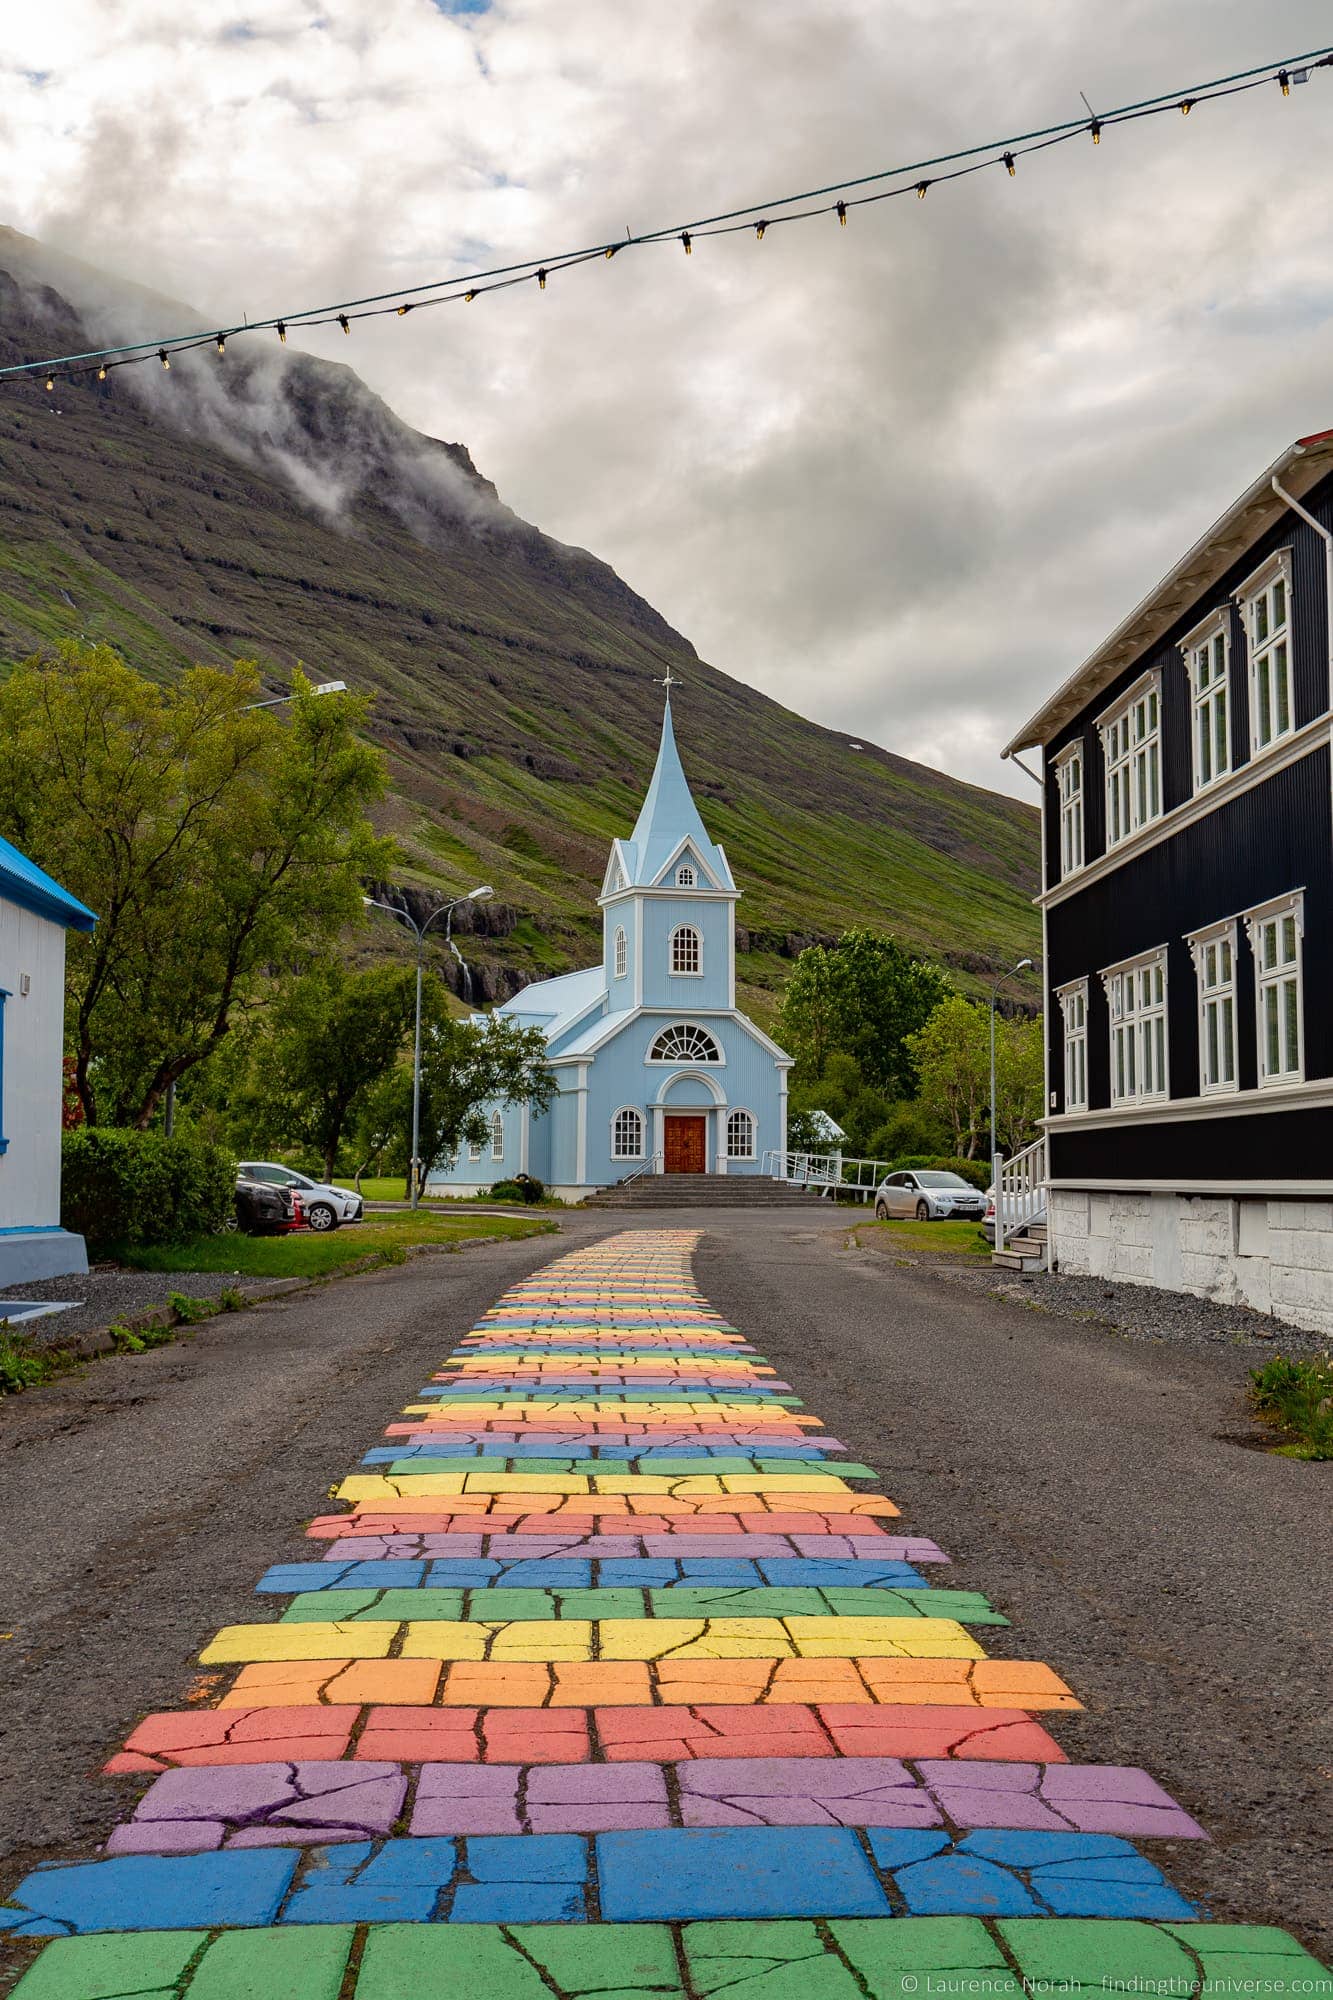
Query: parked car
(1037, 1220)
(931, 1195)
(263, 1208)
(325, 1207)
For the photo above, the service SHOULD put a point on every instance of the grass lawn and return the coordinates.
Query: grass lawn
(307, 1255)
(949, 1239)
(392, 1188)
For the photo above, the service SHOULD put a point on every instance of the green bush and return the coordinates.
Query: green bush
(975, 1171)
(525, 1187)
(122, 1188)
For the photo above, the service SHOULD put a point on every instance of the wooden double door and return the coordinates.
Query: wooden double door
(685, 1144)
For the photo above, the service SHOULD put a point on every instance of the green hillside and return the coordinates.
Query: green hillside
(271, 507)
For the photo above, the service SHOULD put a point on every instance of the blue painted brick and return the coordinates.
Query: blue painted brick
(143, 1892)
(736, 1872)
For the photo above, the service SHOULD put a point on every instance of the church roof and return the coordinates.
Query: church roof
(669, 820)
(554, 1005)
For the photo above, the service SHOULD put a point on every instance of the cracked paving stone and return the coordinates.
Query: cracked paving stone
(261, 1805)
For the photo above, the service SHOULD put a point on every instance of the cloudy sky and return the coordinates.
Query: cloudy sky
(902, 475)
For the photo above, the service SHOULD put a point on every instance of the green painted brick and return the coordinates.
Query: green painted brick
(606, 1960)
(484, 1962)
(296, 1962)
(110, 1968)
(783, 1959)
(897, 1959)
(1091, 1952)
(339, 1606)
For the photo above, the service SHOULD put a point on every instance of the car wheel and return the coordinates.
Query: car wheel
(923, 1211)
(881, 1212)
(320, 1215)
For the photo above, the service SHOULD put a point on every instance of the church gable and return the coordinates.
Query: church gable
(618, 870)
(686, 869)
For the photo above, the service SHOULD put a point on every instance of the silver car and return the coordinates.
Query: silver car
(325, 1207)
(930, 1194)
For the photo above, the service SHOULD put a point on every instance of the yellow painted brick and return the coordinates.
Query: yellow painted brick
(882, 1638)
(693, 1638)
(340, 1640)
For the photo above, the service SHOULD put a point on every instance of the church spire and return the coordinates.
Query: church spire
(669, 818)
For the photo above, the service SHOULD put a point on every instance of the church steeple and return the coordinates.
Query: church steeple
(668, 823)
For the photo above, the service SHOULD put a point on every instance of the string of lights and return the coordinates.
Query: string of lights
(838, 198)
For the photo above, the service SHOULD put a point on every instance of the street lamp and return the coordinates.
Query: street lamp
(1024, 965)
(324, 687)
(446, 910)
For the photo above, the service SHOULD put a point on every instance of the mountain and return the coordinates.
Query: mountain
(269, 506)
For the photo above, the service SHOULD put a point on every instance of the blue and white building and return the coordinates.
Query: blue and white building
(35, 913)
(658, 1070)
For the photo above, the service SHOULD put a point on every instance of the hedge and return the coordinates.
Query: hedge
(123, 1187)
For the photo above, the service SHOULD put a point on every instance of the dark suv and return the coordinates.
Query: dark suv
(261, 1207)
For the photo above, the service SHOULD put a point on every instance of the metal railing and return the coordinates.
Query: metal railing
(649, 1167)
(1020, 1192)
(833, 1173)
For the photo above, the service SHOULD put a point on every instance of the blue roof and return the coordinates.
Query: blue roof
(667, 817)
(23, 882)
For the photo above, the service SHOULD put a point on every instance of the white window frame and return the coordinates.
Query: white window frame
(620, 953)
(1131, 734)
(1074, 1030)
(692, 1033)
(1207, 655)
(497, 1136)
(1071, 770)
(1273, 981)
(1136, 1001)
(627, 1111)
(678, 938)
(1258, 601)
(751, 1130)
(1213, 950)
(685, 876)
(474, 1149)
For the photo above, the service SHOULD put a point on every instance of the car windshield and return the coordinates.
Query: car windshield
(935, 1180)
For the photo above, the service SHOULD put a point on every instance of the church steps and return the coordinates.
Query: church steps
(701, 1191)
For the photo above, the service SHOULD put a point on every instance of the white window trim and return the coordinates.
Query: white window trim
(1107, 975)
(624, 1111)
(620, 954)
(687, 868)
(740, 1111)
(1149, 683)
(664, 1062)
(673, 970)
(1076, 988)
(1290, 905)
(1278, 565)
(1216, 624)
(1198, 941)
(473, 1149)
(497, 1136)
(1067, 755)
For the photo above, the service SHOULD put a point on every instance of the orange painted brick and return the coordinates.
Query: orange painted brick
(289, 1683)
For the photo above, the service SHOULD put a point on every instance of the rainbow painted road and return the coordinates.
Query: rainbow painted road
(615, 1676)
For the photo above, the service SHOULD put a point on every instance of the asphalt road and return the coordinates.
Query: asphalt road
(1090, 1485)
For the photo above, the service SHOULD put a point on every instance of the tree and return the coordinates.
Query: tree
(862, 997)
(215, 842)
(465, 1064)
(952, 1053)
(335, 1034)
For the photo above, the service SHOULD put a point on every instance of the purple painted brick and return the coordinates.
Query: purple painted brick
(803, 1791)
(597, 1798)
(255, 1805)
(467, 1798)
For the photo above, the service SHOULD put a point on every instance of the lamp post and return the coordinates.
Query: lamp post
(446, 910)
(1024, 965)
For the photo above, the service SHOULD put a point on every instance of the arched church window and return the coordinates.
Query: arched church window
(740, 1136)
(617, 879)
(621, 955)
(627, 1136)
(685, 876)
(683, 1042)
(687, 949)
(497, 1136)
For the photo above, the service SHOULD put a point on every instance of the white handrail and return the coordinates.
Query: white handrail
(649, 1166)
(1020, 1191)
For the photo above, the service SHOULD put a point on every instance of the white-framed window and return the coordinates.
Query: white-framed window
(1069, 786)
(621, 954)
(627, 1135)
(1207, 653)
(474, 1149)
(1132, 745)
(1265, 603)
(687, 952)
(497, 1136)
(1074, 1017)
(740, 1135)
(1214, 953)
(1136, 1001)
(683, 1042)
(685, 876)
(1275, 932)
(617, 879)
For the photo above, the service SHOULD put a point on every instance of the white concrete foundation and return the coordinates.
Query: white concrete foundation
(1250, 1250)
(29, 1254)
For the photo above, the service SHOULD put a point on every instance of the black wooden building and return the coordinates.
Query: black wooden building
(1188, 914)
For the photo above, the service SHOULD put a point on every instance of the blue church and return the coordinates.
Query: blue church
(658, 1070)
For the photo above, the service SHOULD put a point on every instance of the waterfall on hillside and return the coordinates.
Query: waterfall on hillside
(464, 974)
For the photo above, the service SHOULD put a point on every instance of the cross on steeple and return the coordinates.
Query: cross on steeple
(670, 680)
